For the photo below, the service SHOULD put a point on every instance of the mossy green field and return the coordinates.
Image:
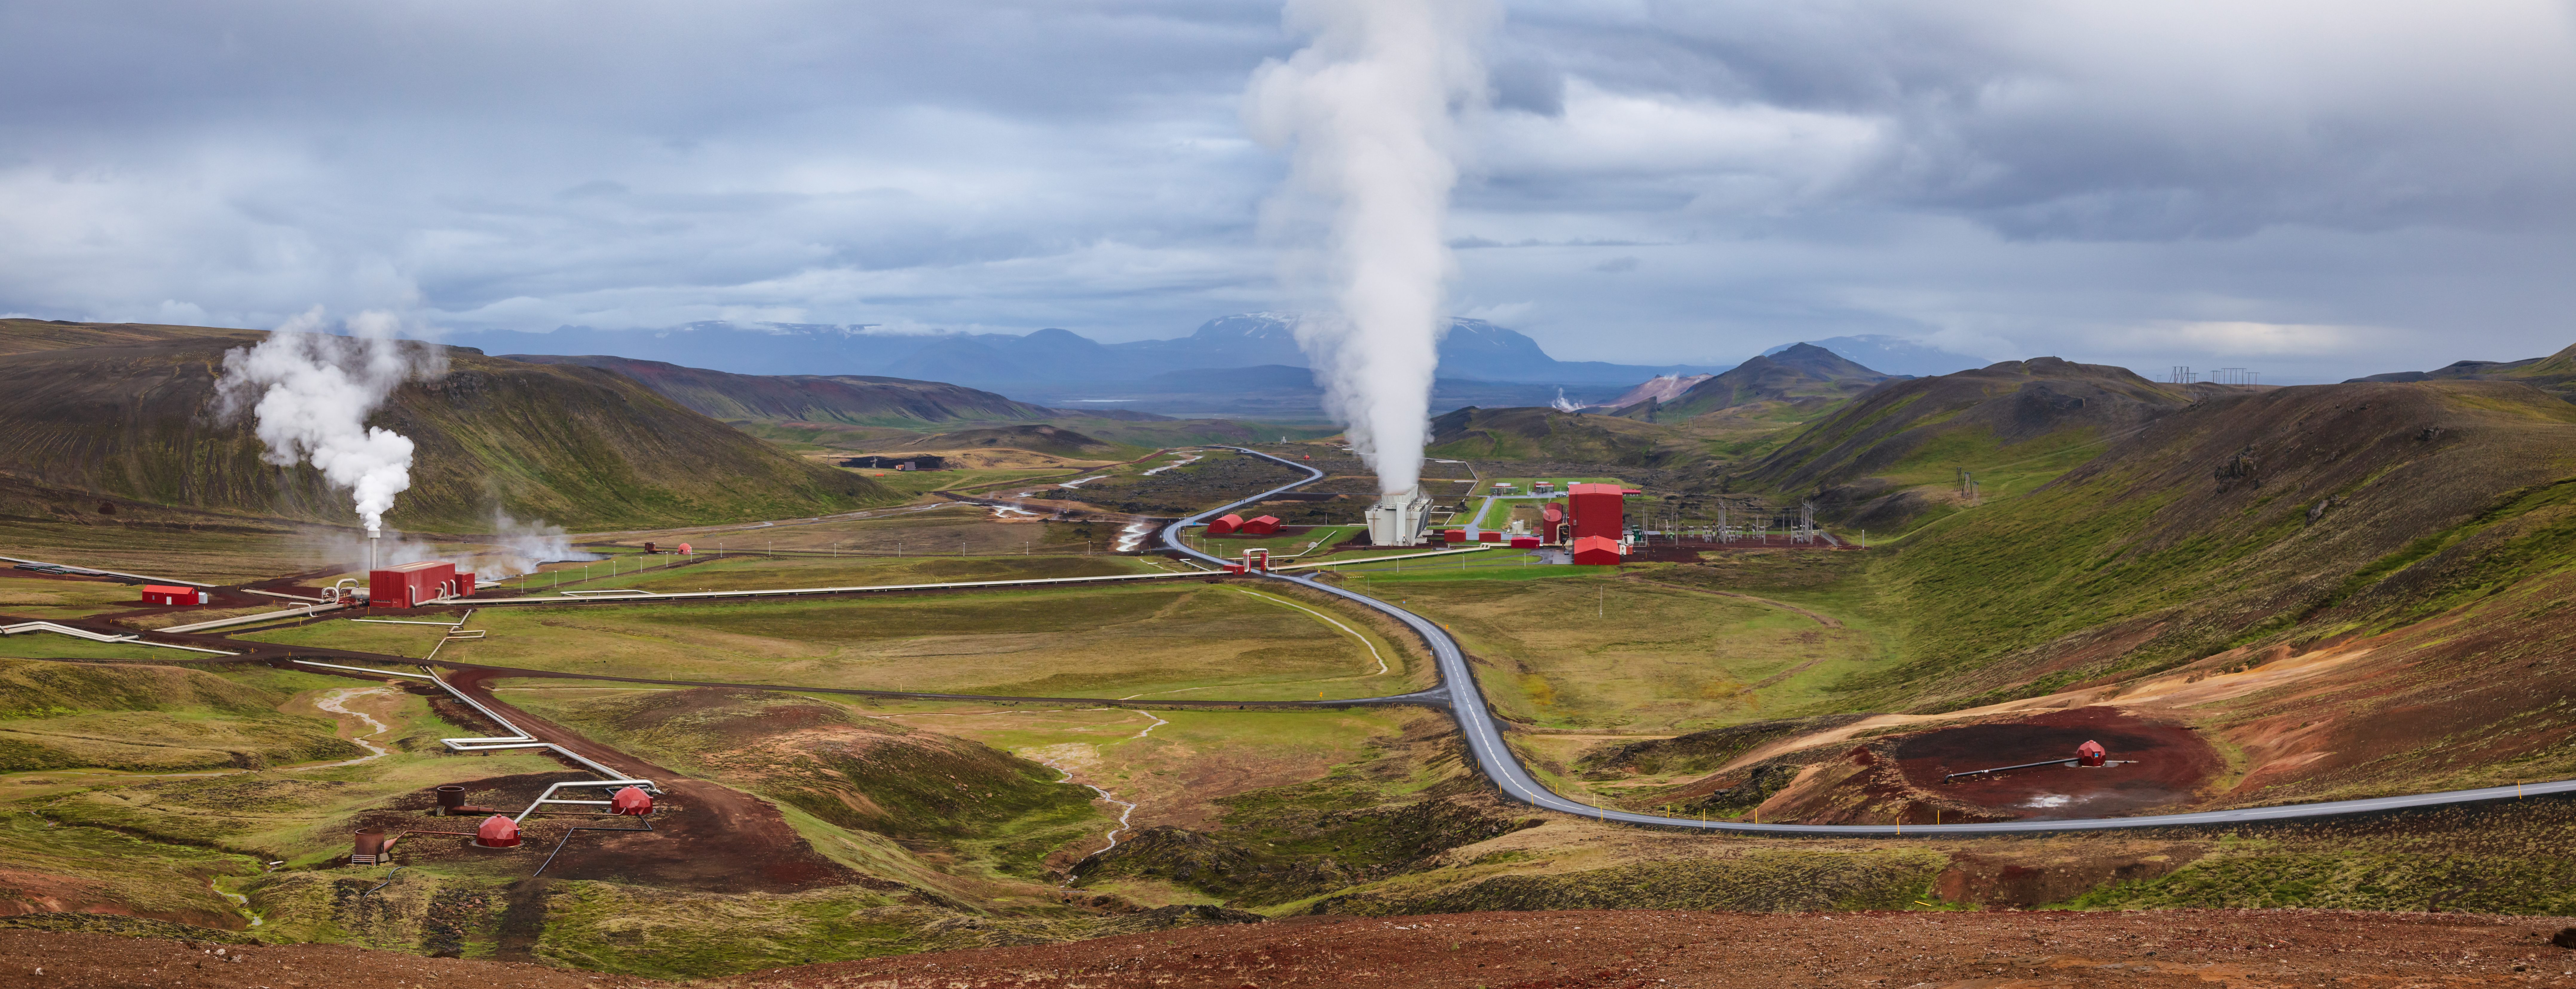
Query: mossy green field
(1183, 641)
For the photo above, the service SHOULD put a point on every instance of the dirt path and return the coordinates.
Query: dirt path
(1765, 602)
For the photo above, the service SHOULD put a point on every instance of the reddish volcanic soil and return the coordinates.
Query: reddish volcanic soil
(705, 836)
(1642, 949)
(2162, 764)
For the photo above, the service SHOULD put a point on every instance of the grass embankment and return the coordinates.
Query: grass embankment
(52, 645)
(149, 718)
(757, 571)
(943, 529)
(916, 483)
(45, 597)
(1184, 641)
(1607, 649)
(990, 814)
(146, 790)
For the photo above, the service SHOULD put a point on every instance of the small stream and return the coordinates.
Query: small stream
(1126, 810)
(336, 702)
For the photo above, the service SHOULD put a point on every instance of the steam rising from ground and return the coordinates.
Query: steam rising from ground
(517, 549)
(1368, 111)
(523, 545)
(312, 393)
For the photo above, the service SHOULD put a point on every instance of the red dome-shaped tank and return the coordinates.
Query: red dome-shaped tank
(2090, 753)
(632, 802)
(686, 551)
(497, 831)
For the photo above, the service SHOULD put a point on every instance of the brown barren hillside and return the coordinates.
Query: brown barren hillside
(844, 398)
(135, 419)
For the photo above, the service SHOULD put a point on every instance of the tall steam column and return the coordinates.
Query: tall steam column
(1397, 519)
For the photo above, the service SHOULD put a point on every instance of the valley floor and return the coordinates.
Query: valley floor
(1994, 950)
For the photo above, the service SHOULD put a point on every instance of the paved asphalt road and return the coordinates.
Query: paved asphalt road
(1485, 741)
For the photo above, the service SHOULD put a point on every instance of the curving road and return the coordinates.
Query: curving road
(1485, 742)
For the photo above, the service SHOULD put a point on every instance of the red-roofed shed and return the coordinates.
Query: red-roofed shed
(165, 595)
(1225, 524)
(1266, 525)
(1597, 551)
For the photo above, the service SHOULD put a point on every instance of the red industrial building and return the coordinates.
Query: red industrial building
(165, 595)
(1224, 525)
(1266, 525)
(1597, 551)
(1453, 535)
(411, 584)
(1488, 536)
(1524, 542)
(1599, 510)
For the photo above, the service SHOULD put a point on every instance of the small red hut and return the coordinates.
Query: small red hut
(1267, 525)
(1224, 525)
(2090, 753)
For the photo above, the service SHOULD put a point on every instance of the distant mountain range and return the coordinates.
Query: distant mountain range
(1202, 372)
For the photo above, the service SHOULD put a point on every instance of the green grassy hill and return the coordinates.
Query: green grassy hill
(2284, 516)
(1892, 458)
(133, 419)
(1546, 434)
(150, 719)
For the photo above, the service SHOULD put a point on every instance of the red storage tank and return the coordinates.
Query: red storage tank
(1225, 525)
(1597, 551)
(632, 802)
(410, 584)
(1489, 536)
(1599, 510)
(166, 595)
(497, 831)
(1264, 526)
(2090, 753)
(1551, 527)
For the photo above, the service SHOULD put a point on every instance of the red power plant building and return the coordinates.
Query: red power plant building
(1224, 525)
(165, 594)
(410, 584)
(1599, 510)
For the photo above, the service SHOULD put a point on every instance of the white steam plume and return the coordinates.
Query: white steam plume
(312, 393)
(1369, 113)
(524, 545)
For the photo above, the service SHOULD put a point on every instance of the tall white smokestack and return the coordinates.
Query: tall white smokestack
(1368, 113)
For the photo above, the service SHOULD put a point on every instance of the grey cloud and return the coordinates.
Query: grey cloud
(2036, 175)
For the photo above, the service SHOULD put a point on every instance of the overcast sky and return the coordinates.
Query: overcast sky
(2312, 189)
